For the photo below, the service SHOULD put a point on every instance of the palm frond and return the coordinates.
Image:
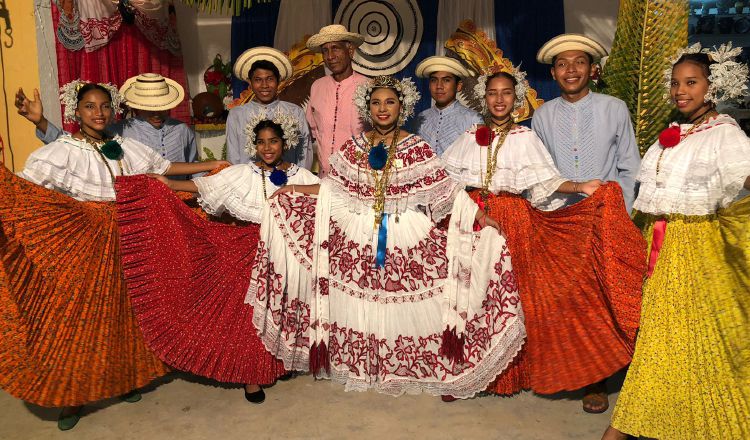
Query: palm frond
(649, 32)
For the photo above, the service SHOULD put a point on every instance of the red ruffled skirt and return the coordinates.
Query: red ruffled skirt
(187, 279)
(580, 271)
(67, 333)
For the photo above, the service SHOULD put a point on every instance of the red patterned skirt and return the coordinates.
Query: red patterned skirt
(187, 279)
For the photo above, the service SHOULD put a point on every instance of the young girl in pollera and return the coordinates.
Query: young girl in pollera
(689, 376)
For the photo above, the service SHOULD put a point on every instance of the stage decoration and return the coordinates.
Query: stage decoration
(648, 34)
(480, 54)
(392, 31)
(218, 77)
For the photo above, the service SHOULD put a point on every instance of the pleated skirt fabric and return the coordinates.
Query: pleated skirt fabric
(689, 377)
(187, 277)
(580, 271)
(68, 335)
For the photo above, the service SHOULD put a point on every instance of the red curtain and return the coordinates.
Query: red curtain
(128, 54)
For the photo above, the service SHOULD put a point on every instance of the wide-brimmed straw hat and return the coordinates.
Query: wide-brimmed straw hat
(441, 64)
(245, 61)
(151, 91)
(334, 32)
(564, 42)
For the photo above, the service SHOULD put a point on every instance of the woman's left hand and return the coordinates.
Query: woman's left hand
(282, 190)
(590, 186)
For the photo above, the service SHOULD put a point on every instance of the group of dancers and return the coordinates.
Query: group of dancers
(489, 264)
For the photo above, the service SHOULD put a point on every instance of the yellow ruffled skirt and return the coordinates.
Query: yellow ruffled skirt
(690, 375)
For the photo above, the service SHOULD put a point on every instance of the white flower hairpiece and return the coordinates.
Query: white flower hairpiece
(727, 77)
(288, 125)
(69, 98)
(521, 88)
(405, 89)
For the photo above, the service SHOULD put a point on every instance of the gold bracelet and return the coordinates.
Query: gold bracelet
(575, 187)
(293, 190)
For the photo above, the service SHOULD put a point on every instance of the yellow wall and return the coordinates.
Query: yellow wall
(21, 69)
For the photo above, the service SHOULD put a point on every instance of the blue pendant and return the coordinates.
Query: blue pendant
(278, 177)
(378, 156)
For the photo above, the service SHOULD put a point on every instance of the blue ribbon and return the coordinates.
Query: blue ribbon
(382, 241)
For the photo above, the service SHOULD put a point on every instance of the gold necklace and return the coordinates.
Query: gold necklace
(97, 143)
(380, 179)
(502, 133)
(697, 124)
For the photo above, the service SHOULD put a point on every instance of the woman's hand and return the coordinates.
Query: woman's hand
(282, 190)
(589, 187)
(220, 163)
(159, 177)
(31, 110)
(485, 220)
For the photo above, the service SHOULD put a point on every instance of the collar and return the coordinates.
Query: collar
(448, 108)
(580, 102)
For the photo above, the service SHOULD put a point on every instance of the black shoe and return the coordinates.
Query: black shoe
(256, 397)
(287, 376)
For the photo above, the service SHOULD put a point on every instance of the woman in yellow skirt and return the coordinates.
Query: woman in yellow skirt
(689, 376)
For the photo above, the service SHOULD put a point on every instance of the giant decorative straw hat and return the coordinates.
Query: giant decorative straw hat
(151, 91)
(441, 64)
(245, 61)
(564, 42)
(334, 32)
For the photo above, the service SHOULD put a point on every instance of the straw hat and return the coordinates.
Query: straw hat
(441, 64)
(334, 32)
(245, 61)
(564, 42)
(151, 91)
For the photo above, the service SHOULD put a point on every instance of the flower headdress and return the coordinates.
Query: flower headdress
(522, 86)
(405, 89)
(69, 94)
(288, 125)
(727, 77)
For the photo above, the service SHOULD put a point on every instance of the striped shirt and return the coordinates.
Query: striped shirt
(441, 127)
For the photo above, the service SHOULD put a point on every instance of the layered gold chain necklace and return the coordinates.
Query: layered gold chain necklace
(381, 175)
(501, 132)
(697, 122)
(97, 144)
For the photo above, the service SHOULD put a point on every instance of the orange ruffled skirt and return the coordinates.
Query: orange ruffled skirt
(67, 333)
(580, 271)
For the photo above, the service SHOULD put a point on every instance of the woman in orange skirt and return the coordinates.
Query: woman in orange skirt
(579, 269)
(67, 333)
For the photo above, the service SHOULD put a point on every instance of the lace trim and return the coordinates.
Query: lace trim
(420, 181)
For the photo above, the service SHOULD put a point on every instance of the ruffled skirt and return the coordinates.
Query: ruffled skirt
(67, 332)
(690, 373)
(187, 278)
(381, 328)
(580, 271)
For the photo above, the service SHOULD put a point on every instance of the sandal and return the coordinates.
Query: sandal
(67, 421)
(595, 399)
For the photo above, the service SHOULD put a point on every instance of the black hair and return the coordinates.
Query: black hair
(267, 123)
(89, 87)
(701, 60)
(503, 75)
(590, 57)
(458, 78)
(265, 65)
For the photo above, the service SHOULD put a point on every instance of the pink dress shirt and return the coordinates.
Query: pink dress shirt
(332, 116)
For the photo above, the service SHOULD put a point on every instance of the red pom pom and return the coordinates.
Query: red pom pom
(670, 136)
(484, 136)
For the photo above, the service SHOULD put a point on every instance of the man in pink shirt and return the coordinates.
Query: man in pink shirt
(331, 113)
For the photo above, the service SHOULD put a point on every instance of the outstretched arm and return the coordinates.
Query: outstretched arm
(176, 185)
(304, 189)
(588, 187)
(182, 168)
